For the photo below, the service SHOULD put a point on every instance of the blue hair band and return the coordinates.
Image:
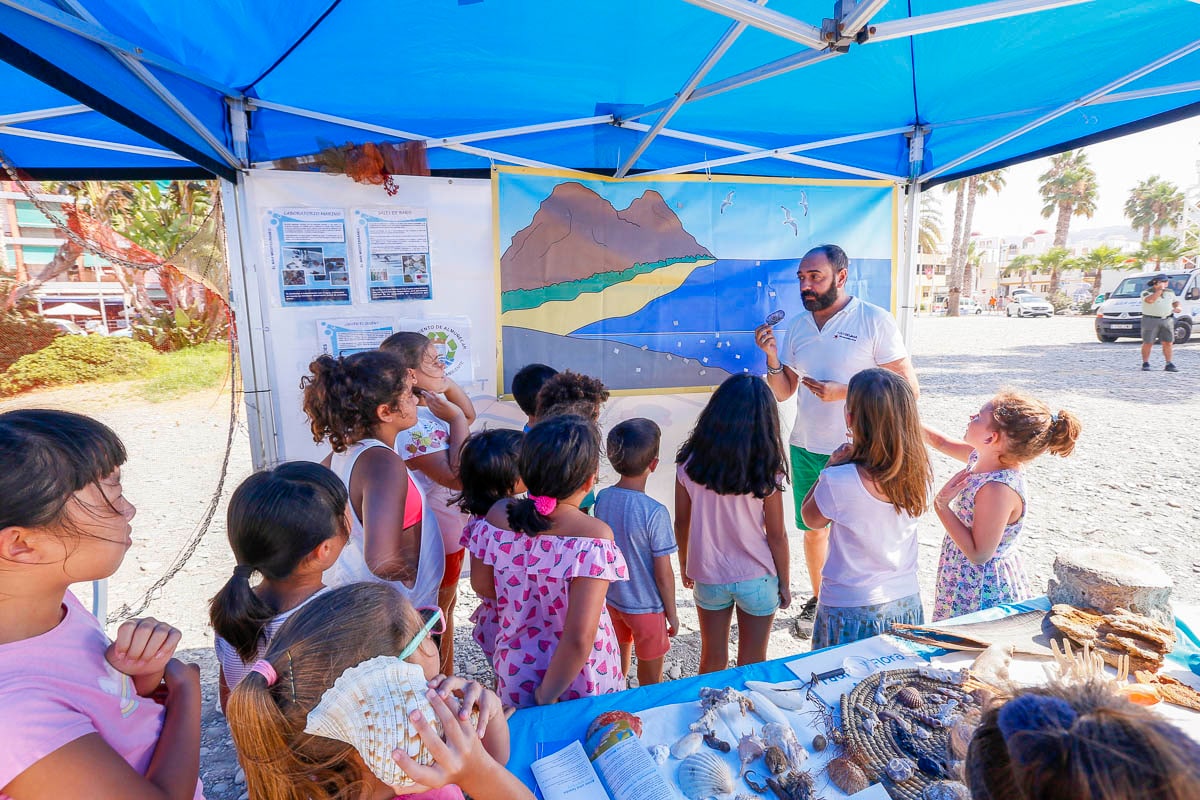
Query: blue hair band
(1036, 714)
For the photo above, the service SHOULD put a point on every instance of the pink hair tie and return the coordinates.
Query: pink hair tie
(543, 504)
(265, 669)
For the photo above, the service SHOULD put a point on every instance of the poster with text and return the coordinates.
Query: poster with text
(307, 248)
(451, 336)
(656, 284)
(393, 250)
(345, 337)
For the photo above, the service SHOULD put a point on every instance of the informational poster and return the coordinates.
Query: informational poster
(307, 248)
(657, 284)
(393, 249)
(344, 337)
(452, 338)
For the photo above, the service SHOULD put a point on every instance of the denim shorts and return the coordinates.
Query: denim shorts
(758, 597)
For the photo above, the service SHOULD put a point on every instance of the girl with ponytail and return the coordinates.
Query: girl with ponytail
(983, 506)
(360, 404)
(551, 566)
(289, 525)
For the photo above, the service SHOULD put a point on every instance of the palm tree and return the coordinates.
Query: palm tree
(977, 185)
(1102, 258)
(1068, 189)
(1138, 210)
(971, 270)
(1019, 266)
(929, 230)
(1154, 204)
(1055, 259)
(1160, 249)
(959, 188)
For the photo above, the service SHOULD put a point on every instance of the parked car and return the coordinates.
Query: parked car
(1029, 305)
(1121, 313)
(66, 325)
(968, 306)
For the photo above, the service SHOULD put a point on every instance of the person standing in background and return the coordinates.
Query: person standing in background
(1159, 306)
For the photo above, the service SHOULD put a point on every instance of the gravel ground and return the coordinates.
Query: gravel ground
(1129, 485)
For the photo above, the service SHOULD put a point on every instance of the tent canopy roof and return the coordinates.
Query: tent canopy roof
(588, 85)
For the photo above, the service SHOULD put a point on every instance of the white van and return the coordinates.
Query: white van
(1121, 314)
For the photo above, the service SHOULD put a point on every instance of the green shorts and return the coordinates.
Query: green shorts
(806, 468)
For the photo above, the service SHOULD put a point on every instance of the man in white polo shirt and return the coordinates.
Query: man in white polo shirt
(835, 337)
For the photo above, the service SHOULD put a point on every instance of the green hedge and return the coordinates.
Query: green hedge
(77, 359)
(21, 335)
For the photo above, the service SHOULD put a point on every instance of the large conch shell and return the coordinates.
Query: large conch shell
(703, 775)
(367, 708)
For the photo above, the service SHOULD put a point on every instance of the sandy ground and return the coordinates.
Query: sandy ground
(1130, 485)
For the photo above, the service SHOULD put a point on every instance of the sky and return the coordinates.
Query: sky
(1170, 152)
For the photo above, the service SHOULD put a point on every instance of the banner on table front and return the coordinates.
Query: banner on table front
(658, 284)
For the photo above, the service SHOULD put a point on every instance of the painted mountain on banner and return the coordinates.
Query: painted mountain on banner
(576, 234)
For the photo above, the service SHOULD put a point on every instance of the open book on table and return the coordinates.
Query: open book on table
(622, 770)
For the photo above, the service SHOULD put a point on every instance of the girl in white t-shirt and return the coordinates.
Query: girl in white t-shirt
(432, 449)
(870, 495)
(288, 524)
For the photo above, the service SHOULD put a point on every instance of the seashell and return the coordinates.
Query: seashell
(367, 708)
(783, 737)
(900, 769)
(797, 785)
(776, 759)
(909, 697)
(704, 774)
(868, 725)
(660, 753)
(901, 722)
(749, 748)
(715, 743)
(688, 745)
(765, 709)
(787, 697)
(819, 743)
(846, 775)
(960, 739)
(946, 790)
(954, 677)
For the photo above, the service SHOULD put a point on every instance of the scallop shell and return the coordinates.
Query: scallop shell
(909, 697)
(946, 790)
(847, 775)
(703, 775)
(367, 708)
(900, 769)
(689, 744)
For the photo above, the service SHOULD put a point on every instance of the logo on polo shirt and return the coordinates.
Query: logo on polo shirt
(850, 337)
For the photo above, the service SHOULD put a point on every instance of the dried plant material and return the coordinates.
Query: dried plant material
(1140, 638)
(1174, 692)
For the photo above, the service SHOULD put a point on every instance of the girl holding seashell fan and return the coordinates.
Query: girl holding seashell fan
(361, 403)
(347, 704)
(983, 507)
(870, 496)
(289, 525)
(551, 566)
(82, 716)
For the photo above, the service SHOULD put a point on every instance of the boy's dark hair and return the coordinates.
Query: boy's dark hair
(558, 457)
(489, 468)
(526, 384)
(571, 393)
(632, 445)
(735, 447)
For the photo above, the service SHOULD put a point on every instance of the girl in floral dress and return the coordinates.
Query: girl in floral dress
(551, 565)
(983, 506)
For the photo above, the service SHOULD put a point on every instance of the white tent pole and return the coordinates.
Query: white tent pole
(1058, 112)
(906, 284)
(45, 113)
(767, 20)
(769, 70)
(26, 133)
(94, 33)
(1141, 94)
(502, 133)
(853, 20)
(152, 83)
(723, 44)
(967, 15)
(400, 134)
(245, 295)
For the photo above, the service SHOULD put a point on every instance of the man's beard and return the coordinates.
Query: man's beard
(819, 302)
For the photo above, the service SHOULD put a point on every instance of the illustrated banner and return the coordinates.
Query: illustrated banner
(658, 284)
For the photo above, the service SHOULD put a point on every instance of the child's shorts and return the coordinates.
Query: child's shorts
(758, 597)
(845, 624)
(454, 564)
(648, 632)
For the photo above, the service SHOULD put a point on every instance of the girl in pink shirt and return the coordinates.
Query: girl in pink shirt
(733, 548)
(82, 716)
(340, 629)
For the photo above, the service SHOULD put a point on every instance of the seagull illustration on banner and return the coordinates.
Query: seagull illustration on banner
(788, 219)
(728, 201)
(804, 202)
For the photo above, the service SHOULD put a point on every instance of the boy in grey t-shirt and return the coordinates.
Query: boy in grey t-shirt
(642, 608)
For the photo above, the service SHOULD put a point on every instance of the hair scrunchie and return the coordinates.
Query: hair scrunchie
(243, 571)
(1039, 716)
(264, 668)
(543, 504)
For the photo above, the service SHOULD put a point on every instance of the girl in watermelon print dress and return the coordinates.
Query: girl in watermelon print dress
(551, 566)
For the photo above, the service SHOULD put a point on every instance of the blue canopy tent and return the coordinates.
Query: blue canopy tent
(918, 92)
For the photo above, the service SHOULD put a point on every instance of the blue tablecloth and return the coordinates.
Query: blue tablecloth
(559, 723)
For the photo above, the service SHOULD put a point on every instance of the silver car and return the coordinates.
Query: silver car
(1029, 305)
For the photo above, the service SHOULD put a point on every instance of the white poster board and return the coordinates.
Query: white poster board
(457, 216)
